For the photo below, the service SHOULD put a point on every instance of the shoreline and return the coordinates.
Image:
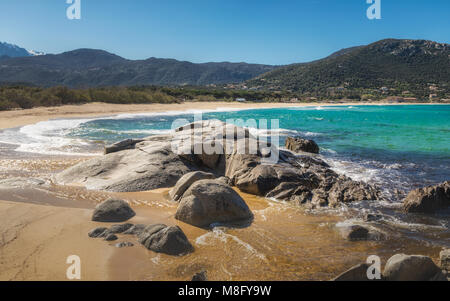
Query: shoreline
(19, 118)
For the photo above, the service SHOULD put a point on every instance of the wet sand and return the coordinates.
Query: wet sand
(282, 243)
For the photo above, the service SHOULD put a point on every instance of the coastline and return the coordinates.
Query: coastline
(38, 237)
(18, 118)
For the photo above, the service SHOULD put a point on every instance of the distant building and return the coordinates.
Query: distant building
(240, 99)
(433, 96)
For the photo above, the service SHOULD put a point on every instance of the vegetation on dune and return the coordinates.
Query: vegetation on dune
(25, 97)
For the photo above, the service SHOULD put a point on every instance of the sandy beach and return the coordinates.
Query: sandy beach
(17, 118)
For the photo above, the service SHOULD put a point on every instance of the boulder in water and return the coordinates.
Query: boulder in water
(210, 201)
(167, 240)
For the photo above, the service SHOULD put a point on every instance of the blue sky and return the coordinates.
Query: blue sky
(255, 31)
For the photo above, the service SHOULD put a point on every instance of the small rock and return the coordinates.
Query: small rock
(112, 210)
(124, 245)
(201, 276)
(111, 237)
(97, 232)
(164, 239)
(401, 267)
(297, 145)
(354, 232)
(135, 230)
(117, 229)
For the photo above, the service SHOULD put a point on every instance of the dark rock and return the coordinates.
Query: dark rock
(124, 245)
(167, 240)
(401, 267)
(111, 237)
(297, 145)
(201, 276)
(428, 199)
(210, 201)
(135, 230)
(117, 229)
(186, 181)
(98, 232)
(354, 232)
(113, 211)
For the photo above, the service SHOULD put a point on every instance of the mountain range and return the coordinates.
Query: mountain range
(390, 62)
(406, 64)
(10, 50)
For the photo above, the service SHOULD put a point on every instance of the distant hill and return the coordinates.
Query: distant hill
(402, 64)
(10, 50)
(92, 68)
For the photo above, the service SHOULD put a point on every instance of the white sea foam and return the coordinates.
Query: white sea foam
(50, 137)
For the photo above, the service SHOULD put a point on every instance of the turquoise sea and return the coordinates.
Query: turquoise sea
(398, 147)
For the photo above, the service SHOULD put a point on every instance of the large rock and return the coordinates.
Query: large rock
(111, 211)
(209, 201)
(428, 199)
(401, 267)
(186, 181)
(297, 144)
(167, 240)
(150, 165)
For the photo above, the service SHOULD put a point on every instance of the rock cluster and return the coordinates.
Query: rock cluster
(252, 165)
(158, 238)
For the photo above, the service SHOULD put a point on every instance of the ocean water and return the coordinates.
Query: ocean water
(396, 147)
